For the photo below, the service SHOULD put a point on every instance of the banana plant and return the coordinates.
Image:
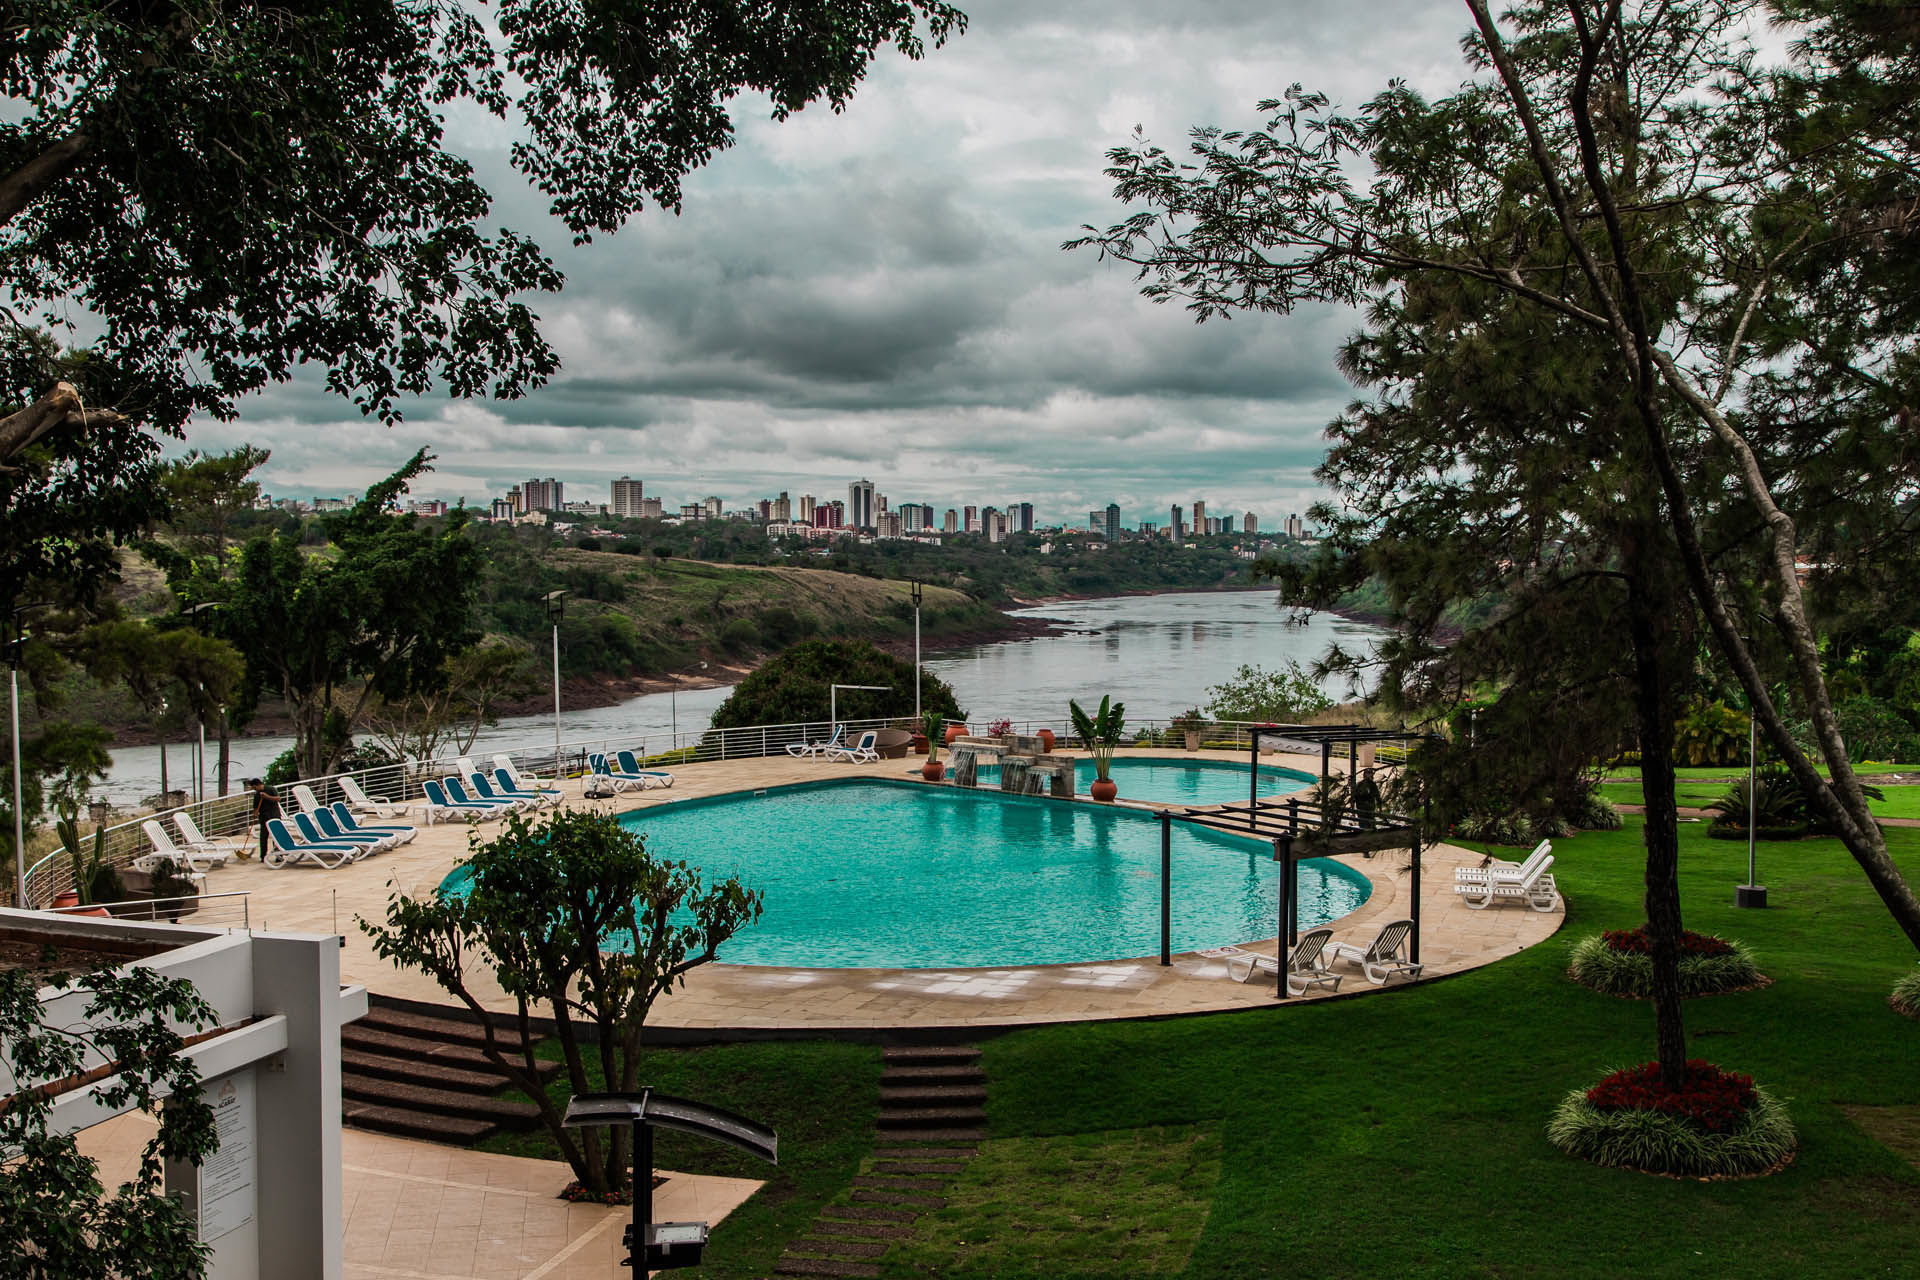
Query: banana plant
(1100, 732)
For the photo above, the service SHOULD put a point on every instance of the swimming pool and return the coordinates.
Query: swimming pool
(1179, 782)
(875, 874)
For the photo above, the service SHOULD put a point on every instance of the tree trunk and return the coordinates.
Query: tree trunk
(1649, 614)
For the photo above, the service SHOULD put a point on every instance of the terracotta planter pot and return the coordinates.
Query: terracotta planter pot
(955, 731)
(1103, 789)
(1193, 739)
(66, 898)
(1046, 739)
(933, 770)
(919, 744)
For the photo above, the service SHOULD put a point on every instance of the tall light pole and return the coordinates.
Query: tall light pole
(19, 817)
(1750, 894)
(556, 605)
(200, 711)
(917, 593)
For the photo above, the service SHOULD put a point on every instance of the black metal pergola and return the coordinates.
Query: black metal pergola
(1300, 829)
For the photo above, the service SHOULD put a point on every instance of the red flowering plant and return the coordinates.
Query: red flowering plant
(1639, 943)
(1713, 1100)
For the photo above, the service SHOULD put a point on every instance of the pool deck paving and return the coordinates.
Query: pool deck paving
(421, 1211)
(722, 998)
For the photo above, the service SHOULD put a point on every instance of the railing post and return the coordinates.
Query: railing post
(1166, 888)
(1286, 913)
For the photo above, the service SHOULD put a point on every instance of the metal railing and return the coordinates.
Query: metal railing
(400, 782)
(206, 910)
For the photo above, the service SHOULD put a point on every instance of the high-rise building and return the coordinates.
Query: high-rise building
(763, 510)
(1173, 524)
(626, 498)
(503, 509)
(995, 524)
(1112, 522)
(516, 501)
(782, 508)
(887, 524)
(860, 511)
(1199, 516)
(543, 495)
(952, 523)
(1020, 517)
(651, 509)
(692, 511)
(713, 508)
(1097, 523)
(915, 516)
(1250, 524)
(970, 519)
(805, 514)
(830, 515)
(1295, 529)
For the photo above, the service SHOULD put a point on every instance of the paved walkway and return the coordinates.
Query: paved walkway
(309, 899)
(420, 1211)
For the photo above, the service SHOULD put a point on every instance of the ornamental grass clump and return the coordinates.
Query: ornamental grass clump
(1619, 962)
(1717, 1124)
(1906, 995)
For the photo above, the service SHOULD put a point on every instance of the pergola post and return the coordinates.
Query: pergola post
(1286, 914)
(1414, 943)
(1166, 888)
(1253, 782)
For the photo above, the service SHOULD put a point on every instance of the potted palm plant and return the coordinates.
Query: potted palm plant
(1099, 734)
(933, 770)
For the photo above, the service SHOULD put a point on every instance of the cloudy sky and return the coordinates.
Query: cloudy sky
(882, 293)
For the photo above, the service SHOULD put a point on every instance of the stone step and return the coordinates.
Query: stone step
(440, 1102)
(866, 1213)
(919, 1166)
(936, 1135)
(937, 1095)
(931, 1117)
(929, 1055)
(924, 1153)
(881, 1182)
(908, 1199)
(439, 1075)
(789, 1266)
(457, 1130)
(861, 1231)
(956, 1074)
(438, 1030)
(836, 1249)
(391, 1044)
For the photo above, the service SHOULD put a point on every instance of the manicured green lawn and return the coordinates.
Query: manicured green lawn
(1402, 1134)
(1903, 801)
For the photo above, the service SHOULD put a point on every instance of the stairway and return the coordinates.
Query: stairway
(424, 1076)
(932, 1116)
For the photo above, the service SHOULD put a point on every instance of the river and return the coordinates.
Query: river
(1156, 653)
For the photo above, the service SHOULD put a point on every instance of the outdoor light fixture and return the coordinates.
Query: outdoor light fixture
(14, 645)
(1750, 894)
(556, 605)
(199, 715)
(659, 1246)
(917, 591)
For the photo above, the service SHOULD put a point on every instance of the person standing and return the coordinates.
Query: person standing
(262, 807)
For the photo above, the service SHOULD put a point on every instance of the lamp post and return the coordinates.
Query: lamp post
(917, 593)
(1750, 894)
(833, 697)
(200, 711)
(556, 605)
(19, 818)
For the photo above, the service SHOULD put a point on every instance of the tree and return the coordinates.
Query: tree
(56, 1221)
(793, 687)
(234, 191)
(1255, 693)
(377, 615)
(1637, 175)
(206, 491)
(577, 918)
(452, 712)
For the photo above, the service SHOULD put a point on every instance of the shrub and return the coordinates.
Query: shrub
(1594, 812)
(739, 635)
(1620, 963)
(1780, 808)
(1906, 995)
(1498, 828)
(1710, 733)
(1716, 1125)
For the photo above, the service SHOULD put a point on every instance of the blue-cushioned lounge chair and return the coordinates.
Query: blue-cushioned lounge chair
(458, 794)
(648, 777)
(483, 789)
(339, 818)
(860, 752)
(600, 771)
(521, 781)
(312, 832)
(806, 750)
(283, 850)
(440, 808)
(504, 785)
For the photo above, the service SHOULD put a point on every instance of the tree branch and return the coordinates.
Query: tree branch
(27, 183)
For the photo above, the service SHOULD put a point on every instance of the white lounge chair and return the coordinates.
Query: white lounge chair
(360, 802)
(1500, 869)
(213, 852)
(806, 750)
(861, 751)
(1382, 958)
(283, 850)
(1306, 967)
(439, 808)
(337, 822)
(600, 772)
(164, 847)
(1536, 889)
(502, 784)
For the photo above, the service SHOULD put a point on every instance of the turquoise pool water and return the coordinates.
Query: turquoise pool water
(869, 873)
(1181, 782)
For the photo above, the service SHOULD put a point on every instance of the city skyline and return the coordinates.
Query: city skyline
(883, 290)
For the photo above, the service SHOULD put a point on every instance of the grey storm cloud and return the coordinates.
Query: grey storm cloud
(882, 292)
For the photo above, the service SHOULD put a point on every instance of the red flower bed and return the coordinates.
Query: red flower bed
(1715, 1100)
(1638, 942)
